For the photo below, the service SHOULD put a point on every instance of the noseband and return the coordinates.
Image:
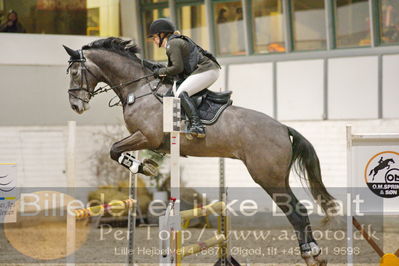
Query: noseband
(83, 78)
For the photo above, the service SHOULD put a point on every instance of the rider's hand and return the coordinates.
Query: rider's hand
(156, 73)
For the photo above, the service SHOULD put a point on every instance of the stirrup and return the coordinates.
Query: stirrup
(196, 131)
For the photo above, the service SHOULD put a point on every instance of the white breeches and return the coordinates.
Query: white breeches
(197, 82)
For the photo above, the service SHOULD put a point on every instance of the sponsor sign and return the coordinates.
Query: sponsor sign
(373, 172)
(381, 174)
(8, 192)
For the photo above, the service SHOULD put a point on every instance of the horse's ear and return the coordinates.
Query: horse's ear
(72, 53)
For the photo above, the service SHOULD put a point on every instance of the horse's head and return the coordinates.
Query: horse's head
(84, 76)
(112, 61)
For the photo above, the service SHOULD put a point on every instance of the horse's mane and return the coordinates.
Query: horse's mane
(126, 48)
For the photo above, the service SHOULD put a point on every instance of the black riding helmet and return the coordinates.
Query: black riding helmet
(162, 25)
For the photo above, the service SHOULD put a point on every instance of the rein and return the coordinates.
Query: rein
(106, 88)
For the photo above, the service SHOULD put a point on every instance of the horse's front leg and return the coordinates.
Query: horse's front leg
(120, 153)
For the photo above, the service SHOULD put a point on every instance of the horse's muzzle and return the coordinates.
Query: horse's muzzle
(77, 109)
(80, 107)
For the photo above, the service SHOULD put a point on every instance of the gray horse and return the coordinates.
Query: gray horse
(263, 144)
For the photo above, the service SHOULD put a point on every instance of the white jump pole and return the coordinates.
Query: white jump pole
(222, 226)
(71, 184)
(224, 222)
(132, 216)
(70, 152)
(171, 124)
(170, 224)
(70, 239)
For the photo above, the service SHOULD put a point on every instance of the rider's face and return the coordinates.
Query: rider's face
(155, 39)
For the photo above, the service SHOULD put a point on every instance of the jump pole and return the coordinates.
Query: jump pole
(170, 224)
(171, 124)
(224, 221)
(70, 151)
(71, 185)
(131, 227)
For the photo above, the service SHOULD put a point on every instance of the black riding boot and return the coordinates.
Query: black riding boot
(196, 127)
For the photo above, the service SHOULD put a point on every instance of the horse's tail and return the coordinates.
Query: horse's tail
(307, 166)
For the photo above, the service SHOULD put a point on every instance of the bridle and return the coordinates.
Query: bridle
(83, 78)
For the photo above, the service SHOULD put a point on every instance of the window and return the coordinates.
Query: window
(229, 23)
(192, 23)
(268, 26)
(308, 19)
(152, 51)
(352, 23)
(76, 17)
(389, 21)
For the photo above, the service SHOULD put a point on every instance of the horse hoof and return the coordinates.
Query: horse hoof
(200, 135)
(150, 170)
(314, 261)
(310, 261)
(321, 262)
(189, 136)
(150, 161)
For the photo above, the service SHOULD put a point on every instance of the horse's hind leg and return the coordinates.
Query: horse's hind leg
(276, 185)
(298, 217)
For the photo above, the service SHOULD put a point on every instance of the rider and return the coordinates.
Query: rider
(189, 64)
